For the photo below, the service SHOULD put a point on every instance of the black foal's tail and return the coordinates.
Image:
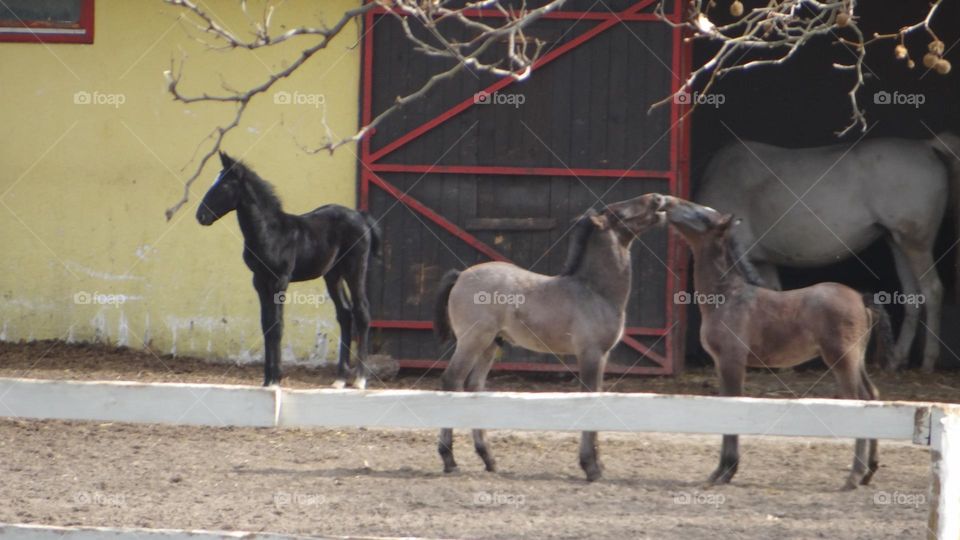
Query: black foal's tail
(376, 235)
(880, 345)
(441, 319)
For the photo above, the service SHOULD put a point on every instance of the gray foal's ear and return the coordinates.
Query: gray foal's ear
(601, 221)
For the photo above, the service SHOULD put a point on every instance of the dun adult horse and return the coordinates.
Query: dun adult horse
(579, 312)
(331, 241)
(748, 325)
(811, 207)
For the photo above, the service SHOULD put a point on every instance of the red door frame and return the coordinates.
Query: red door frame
(675, 328)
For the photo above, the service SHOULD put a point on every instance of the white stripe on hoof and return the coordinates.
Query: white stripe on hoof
(339, 384)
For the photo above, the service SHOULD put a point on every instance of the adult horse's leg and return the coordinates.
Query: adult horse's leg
(917, 259)
(271, 322)
(357, 282)
(732, 372)
(592, 364)
(345, 319)
(469, 347)
(911, 315)
(476, 382)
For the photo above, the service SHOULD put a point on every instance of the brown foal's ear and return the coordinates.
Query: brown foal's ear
(601, 221)
(726, 221)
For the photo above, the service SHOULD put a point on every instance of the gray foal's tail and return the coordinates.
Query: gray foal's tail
(441, 318)
(880, 344)
(376, 236)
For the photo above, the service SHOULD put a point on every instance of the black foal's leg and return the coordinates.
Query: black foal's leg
(345, 320)
(476, 382)
(271, 322)
(731, 384)
(357, 282)
(592, 365)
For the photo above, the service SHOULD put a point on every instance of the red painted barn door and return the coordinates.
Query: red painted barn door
(493, 169)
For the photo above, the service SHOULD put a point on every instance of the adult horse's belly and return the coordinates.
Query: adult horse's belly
(803, 238)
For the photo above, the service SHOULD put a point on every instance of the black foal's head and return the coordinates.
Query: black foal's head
(224, 194)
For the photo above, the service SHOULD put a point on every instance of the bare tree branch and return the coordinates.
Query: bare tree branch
(416, 17)
(780, 29)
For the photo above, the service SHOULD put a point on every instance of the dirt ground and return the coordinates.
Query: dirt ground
(388, 482)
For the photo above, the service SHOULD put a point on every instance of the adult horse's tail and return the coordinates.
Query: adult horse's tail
(880, 343)
(376, 235)
(441, 318)
(947, 145)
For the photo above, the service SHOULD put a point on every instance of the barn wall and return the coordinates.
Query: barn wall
(83, 187)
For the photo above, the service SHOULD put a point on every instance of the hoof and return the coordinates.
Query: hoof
(721, 476)
(452, 469)
(490, 466)
(339, 384)
(593, 471)
(359, 383)
(851, 484)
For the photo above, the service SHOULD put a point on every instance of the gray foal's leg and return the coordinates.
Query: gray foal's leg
(464, 359)
(592, 365)
(476, 382)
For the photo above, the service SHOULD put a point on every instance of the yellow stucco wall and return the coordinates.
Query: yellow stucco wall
(83, 187)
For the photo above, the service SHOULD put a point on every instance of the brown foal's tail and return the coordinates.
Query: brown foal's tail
(441, 319)
(880, 345)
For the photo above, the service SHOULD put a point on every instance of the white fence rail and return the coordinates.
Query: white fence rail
(934, 425)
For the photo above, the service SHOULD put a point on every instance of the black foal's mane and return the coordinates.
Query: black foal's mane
(737, 259)
(262, 190)
(579, 237)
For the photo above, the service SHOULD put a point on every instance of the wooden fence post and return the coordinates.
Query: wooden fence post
(944, 522)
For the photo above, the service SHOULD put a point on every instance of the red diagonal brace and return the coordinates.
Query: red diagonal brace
(506, 81)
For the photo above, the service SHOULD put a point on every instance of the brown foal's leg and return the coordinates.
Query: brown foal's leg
(869, 392)
(731, 375)
(846, 368)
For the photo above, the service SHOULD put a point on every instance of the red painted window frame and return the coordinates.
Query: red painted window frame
(85, 23)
